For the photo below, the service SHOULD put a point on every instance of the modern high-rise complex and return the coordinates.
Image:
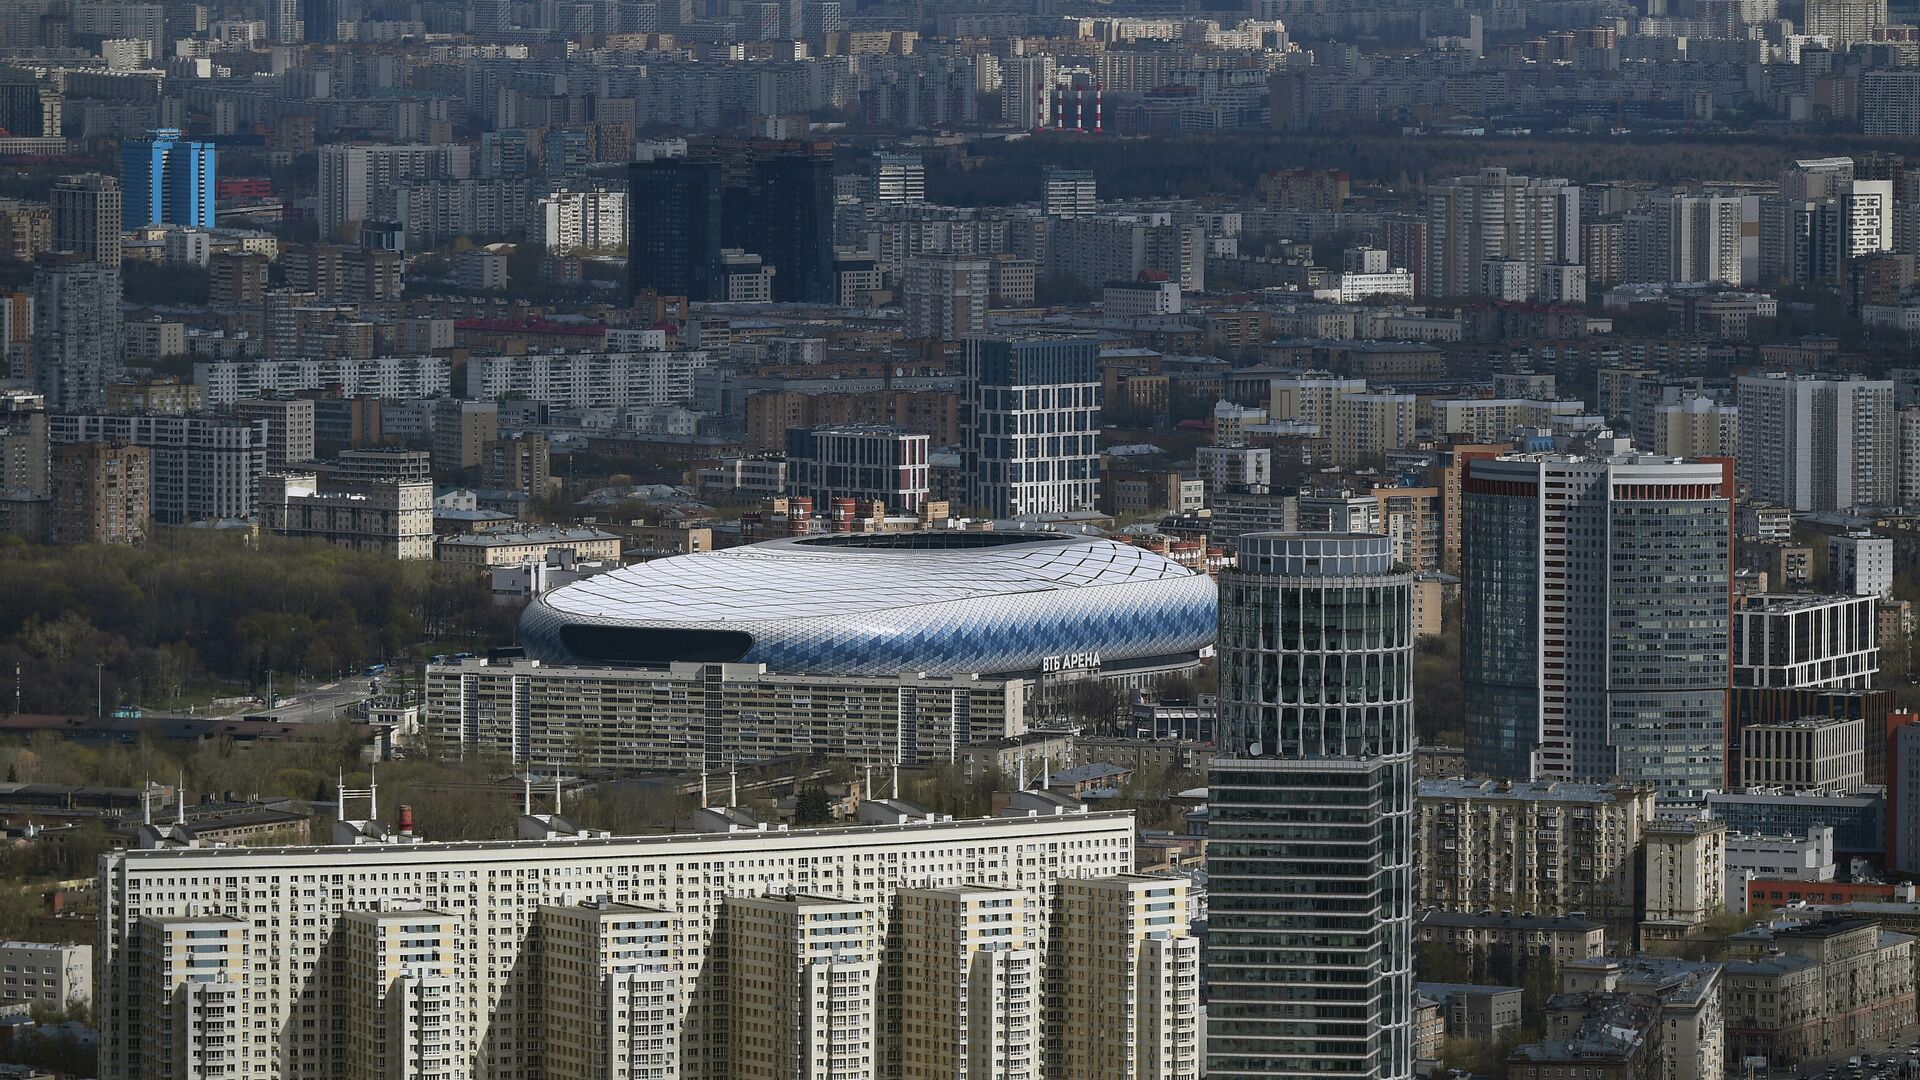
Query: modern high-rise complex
(1309, 859)
(167, 180)
(1817, 442)
(1495, 217)
(1068, 193)
(1031, 425)
(920, 949)
(867, 463)
(673, 228)
(1598, 594)
(899, 178)
(87, 213)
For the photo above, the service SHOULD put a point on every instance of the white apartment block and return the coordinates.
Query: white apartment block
(246, 945)
(700, 716)
(601, 380)
(204, 467)
(1117, 247)
(43, 973)
(602, 961)
(1235, 466)
(391, 377)
(1140, 299)
(1907, 453)
(945, 297)
(584, 220)
(1861, 564)
(1811, 442)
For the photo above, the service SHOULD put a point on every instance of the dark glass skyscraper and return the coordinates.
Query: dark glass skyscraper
(1310, 820)
(772, 199)
(673, 228)
(165, 179)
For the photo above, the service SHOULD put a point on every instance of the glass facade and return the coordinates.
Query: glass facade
(1310, 813)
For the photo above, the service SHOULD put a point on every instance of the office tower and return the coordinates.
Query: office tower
(866, 463)
(945, 297)
(1309, 874)
(1817, 442)
(1786, 640)
(1068, 192)
(777, 202)
(614, 991)
(461, 432)
(899, 178)
(320, 21)
(1495, 217)
(166, 180)
(1597, 618)
(28, 108)
(76, 331)
(289, 428)
(1825, 755)
(972, 989)
(1123, 971)
(673, 228)
(87, 215)
(1903, 794)
(402, 1015)
(101, 493)
(1030, 425)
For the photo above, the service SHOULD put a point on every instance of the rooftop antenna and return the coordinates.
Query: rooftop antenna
(896, 781)
(1046, 771)
(340, 782)
(373, 796)
(1022, 774)
(866, 784)
(146, 801)
(526, 794)
(556, 795)
(733, 787)
(180, 791)
(703, 788)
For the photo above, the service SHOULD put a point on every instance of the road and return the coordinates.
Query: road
(316, 704)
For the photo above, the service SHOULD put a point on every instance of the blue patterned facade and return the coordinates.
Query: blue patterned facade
(1147, 609)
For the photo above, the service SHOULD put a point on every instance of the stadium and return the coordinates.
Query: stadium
(942, 603)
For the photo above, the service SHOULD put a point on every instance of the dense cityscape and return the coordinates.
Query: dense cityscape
(994, 540)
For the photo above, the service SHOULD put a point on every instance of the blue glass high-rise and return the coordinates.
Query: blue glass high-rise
(166, 180)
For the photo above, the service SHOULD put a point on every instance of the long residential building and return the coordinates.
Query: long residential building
(703, 716)
(397, 377)
(589, 379)
(393, 519)
(755, 952)
(203, 467)
(1817, 442)
(1542, 848)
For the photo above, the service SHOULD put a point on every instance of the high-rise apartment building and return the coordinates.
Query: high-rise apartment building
(204, 467)
(971, 999)
(899, 178)
(289, 428)
(1123, 968)
(87, 215)
(76, 331)
(461, 432)
(1310, 841)
(1817, 442)
(1860, 563)
(167, 180)
(1031, 425)
(101, 493)
(758, 953)
(865, 463)
(1068, 192)
(353, 177)
(1845, 21)
(1684, 238)
(945, 297)
(1597, 620)
(29, 108)
(1493, 217)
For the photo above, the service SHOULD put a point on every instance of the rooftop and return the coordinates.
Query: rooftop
(1517, 790)
(514, 537)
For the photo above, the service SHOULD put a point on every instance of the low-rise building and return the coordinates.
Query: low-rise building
(1691, 1036)
(1804, 989)
(57, 975)
(1473, 1011)
(1595, 1036)
(509, 547)
(393, 519)
(1753, 857)
(1497, 943)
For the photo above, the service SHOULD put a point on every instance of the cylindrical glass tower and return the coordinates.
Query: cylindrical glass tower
(1310, 822)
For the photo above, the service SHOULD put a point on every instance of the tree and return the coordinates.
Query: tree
(812, 807)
